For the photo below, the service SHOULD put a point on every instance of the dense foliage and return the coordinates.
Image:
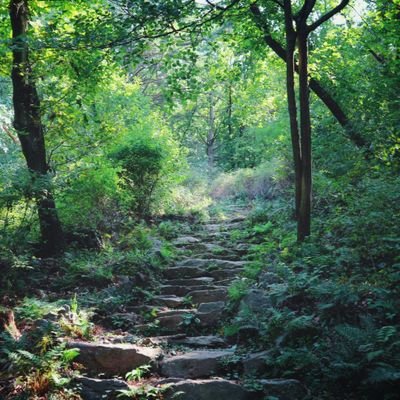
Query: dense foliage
(153, 115)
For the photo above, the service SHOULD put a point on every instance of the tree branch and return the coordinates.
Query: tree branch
(305, 10)
(328, 15)
(315, 85)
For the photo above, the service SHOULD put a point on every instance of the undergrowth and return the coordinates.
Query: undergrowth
(333, 320)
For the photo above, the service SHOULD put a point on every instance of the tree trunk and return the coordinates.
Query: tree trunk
(292, 106)
(294, 127)
(28, 124)
(229, 111)
(333, 106)
(211, 136)
(304, 219)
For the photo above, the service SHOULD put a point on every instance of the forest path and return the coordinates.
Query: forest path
(191, 356)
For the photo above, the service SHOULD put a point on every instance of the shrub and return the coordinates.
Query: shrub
(92, 193)
(263, 182)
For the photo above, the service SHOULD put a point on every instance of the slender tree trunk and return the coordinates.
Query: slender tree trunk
(294, 126)
(28, 124)
(211, 135)
(292, 106)
(230, 105)
(304, 218)
(333, 106)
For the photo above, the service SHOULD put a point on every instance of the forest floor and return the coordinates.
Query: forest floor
(225, 305)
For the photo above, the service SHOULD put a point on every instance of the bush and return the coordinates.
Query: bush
(263, 182)
(91, 196)
(142, 165)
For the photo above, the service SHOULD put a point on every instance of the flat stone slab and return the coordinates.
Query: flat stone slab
(210, 263)
(177, 290)
(209, 247)
(169, 301)
(207, 389)
(185, 240)
(176, 311)
(94, 389)
(220, 227)
(200, 341)
(171, 322)
(113, 359)
(214, 306)
(204, 280)
(195, 364)
(184, 273)
(220, 274)
(208, 295)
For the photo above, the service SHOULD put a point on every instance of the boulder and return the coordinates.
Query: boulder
(94, 389)
(247, 334)
(269, 278)
(195, 364)
(210, 313)
(255, 363)
(255, 301)
(113, 359)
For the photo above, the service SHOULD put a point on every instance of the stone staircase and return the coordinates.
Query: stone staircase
(191, 356)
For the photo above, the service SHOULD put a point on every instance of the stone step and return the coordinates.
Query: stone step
(94, 389)
(209, 341)
(208, 314)
(169, 301)
(210, 263)
(171, 323)
(213, 237)
(208, 295)
(179, 290)
(184, 273)
(223, 389)
(195, 364)
(206, 389)
(204, 280)
(209, 256)
(222, 274)
(222, 227)
(214, 306)
(185, 240)
(211, 247)
(168, 312)
(113, 359)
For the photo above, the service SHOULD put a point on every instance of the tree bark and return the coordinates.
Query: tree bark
(292, 107)
(304, 219)
(28, 124)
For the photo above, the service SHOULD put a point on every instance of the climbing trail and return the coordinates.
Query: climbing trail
(191, 356)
